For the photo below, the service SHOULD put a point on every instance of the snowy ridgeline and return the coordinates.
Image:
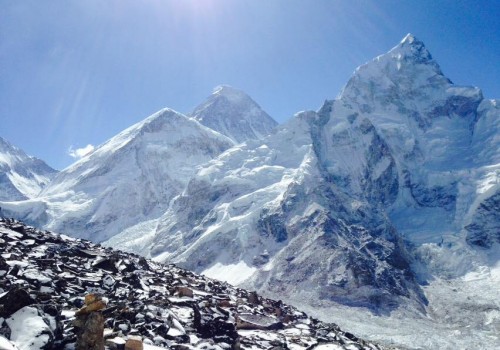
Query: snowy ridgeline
(376, 201)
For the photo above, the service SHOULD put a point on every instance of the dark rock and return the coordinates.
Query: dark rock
(484, 229)
(253, 298)
(139, 304)
(18, 228)
(106, 263)
(5, 330)
(3, 264)
(14, 300)
(115, 344)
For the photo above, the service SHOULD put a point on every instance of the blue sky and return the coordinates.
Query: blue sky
(74, 73)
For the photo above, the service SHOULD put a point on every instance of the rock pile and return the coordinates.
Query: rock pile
(46, 278)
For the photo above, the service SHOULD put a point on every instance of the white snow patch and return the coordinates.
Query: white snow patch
(233, 274)
(27, 328)
(328, 347)
(5, 344)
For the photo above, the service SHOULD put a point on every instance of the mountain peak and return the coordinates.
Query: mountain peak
(6, 145)
(234, 114)
(229, 92)
(406, 68)
(409, 39)
(410, 46)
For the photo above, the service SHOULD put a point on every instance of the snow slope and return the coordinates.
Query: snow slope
(129, 179)
(21, 176)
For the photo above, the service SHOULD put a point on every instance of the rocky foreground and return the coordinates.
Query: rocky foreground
(44, 278)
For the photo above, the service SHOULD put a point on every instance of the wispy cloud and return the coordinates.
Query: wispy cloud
(80, 152)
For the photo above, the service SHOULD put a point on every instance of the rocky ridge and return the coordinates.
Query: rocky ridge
(45, 277)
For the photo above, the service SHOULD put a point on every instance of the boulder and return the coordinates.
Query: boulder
(184, 292)
(14, 300)
(134, 344)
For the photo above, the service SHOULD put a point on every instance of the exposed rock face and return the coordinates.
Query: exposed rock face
(329, 198)
(319, 222)
(484, 230)
(320, 207)
(164, 305)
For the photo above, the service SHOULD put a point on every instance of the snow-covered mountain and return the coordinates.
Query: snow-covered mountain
(318, 212)
(234, 114)
(21, 176)
(444, 139)
(128, 180)
(285, 226)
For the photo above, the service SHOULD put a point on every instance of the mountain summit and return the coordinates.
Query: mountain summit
(234, 114)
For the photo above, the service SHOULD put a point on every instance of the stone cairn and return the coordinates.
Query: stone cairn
(89, 327)
(89, 324)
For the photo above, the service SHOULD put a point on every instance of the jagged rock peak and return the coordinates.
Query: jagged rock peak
(411, 47)
(412, 41)
(406, 68)
(409, 53)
